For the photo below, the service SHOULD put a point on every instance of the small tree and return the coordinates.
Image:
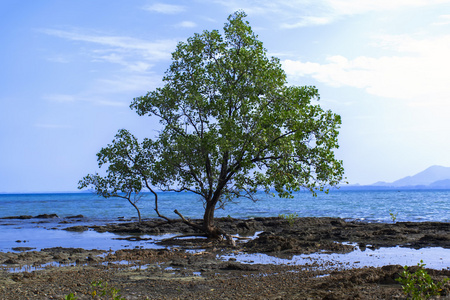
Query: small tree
(231, 125)
(129, 170)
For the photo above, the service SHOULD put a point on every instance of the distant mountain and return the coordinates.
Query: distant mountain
(433, 177)
(441, 184)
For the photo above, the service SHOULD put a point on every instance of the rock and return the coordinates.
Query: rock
(75, 217)
(11, 261)
(22, 248)
(77, 228)
(239, 267)
(46, 216)
(17, 217)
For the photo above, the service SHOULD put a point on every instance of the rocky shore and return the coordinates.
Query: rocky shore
(195, 268)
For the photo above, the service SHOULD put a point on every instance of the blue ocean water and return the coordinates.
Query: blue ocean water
(372, 206)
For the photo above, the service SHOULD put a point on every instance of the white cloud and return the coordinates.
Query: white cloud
(419, 75)
(159, 50)
(126, 84)
(137, 66)
(59, 59)
(442, 20)
(136, 56)
(187, 24)
(61, 98)
(307, 21)
(104, 91)
(165, 8)
(90, 96)
(302, 13)
(352, 7)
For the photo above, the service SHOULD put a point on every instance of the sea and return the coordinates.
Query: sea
(383, 206)
(364, 205)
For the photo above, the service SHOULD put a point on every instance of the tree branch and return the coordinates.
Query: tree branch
(188, 222)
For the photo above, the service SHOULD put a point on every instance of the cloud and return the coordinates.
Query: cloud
(104, 91)
(352, 7)
(302, 13)
(138, 66)
(187, 24)
(442, 20)
(59, 59)
(136, 57)
(165, 8)
(90, 96)
(159, 50)
(308, 21)
(131, 83)
(61, 98)
(419, 74)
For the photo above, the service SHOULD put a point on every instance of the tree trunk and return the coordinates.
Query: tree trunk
(209, 228)
(208, 220)
(137, 209)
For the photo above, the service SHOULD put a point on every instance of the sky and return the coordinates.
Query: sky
(70, 69)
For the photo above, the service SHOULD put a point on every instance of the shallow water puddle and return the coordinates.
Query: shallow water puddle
(435, 258)
(31, 268)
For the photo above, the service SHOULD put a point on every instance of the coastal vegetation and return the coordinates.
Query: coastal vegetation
(419, 285)
(393, 216)
(290, 217)
(231, 125)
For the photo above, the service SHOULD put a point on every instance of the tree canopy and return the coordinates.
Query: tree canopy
(231, 125)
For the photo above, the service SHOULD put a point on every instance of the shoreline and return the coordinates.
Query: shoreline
(301, 232)
(273, 236)
(298, 259)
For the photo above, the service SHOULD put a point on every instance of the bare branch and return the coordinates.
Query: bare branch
(188, 222)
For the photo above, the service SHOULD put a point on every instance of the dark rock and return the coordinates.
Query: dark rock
(22, 248)
(11, 261)
(239, 267)
(75, 217)
(46, 216)
(77, 228)
(17, 217)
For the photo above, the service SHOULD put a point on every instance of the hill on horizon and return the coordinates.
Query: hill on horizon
(433, 177)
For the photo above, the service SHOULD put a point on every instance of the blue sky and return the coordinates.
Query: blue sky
(71, 68)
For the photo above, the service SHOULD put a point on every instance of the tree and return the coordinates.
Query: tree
(231, 125)
(129, 170)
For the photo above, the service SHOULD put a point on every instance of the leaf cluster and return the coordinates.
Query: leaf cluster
(290, 218)
(419, 285)
(127, 163)
(101, 290)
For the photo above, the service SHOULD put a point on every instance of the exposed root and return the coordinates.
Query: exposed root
(183, 236)
(228, 237)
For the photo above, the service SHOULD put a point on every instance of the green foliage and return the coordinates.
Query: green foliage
(290, 218)
(419, 285)
(101, 290)
(393, 216)
(70, 296)
(129, 169)
(231, 125)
